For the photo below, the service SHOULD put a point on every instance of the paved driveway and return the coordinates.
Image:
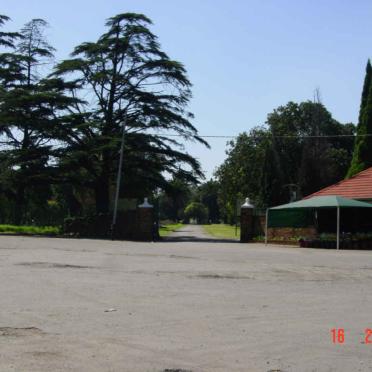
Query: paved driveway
(195, 233)
(90, 305)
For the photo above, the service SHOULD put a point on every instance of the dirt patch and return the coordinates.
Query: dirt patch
(151, 255)
(44, 354)
(218, 276)
(183, 257)
(51, 265)
(135, 255)
(20, 332)
(77, 250)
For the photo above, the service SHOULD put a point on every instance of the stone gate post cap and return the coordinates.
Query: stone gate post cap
(247, 204)
(146, 204)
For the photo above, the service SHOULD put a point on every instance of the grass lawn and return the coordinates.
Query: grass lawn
(31, 230)
(222, 231)
(165, 230)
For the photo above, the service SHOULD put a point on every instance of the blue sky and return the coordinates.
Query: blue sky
(244, 57)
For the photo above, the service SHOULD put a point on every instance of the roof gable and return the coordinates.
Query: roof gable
(356, 187)
(324, 202)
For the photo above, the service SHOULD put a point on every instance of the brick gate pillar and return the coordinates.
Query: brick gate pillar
(246, 222)
(145, 222)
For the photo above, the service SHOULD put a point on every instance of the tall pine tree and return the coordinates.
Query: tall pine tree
(7, 39)
(360, 156)
(127, 81)
(29, 107)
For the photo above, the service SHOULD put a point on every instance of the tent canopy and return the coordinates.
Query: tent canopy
(324, 202)
(316, 202)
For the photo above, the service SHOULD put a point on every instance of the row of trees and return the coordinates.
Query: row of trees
(61, 123)
(299, 150)
(362, 156)
(190, 201)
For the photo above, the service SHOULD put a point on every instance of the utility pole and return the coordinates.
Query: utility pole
(294, 191)
(118, 181)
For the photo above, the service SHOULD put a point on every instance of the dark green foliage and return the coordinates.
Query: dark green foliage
(121, 74)
(98, 226)
(245, 172)
(196, 211)
(308, 163)
(207, 193)
(61, 132)
(362, 148)
(275, 163)
(7, 39)
(174, 199)
(92, 226)
(179, 193)
(29, 109)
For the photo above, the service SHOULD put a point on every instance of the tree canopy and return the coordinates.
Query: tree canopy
(133, 86)
(29, 110)
(196, 211)
(362, 156)
(287, 156)
(62, 126)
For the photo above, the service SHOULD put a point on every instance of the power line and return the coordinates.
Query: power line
(272, 136)
(181, 135)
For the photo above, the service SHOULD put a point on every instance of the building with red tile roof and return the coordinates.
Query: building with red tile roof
(357, 187)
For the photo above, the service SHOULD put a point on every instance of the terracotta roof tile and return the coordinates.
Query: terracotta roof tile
(357, 187)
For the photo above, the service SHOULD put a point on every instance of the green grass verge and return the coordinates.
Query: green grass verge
(29, 230)
(165, 230)
(222, 231)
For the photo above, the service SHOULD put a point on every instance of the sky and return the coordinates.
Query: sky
(243, 57)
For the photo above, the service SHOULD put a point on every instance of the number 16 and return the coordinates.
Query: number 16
(338, 335)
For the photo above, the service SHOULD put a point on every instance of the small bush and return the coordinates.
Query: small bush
(95, 226)
(197, 211)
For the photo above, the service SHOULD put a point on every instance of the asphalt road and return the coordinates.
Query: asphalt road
(196, 234)
(91, 305)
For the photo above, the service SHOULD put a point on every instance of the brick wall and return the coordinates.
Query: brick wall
(252, 225)
(130, 225)
(246, 224)
(291, 232)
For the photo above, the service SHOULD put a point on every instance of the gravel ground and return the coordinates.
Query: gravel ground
(195, 305)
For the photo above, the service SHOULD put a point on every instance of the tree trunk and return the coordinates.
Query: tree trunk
(73, 205)
(102, 184)
(102, 195)
(19, 205)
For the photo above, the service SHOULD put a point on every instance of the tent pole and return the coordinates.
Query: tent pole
(266, 224)
(338, 227)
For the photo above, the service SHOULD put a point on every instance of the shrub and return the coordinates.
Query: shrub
(29, 230)
(94, 226)
(197, 211)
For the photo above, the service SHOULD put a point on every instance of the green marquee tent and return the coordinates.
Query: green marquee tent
(317, 202)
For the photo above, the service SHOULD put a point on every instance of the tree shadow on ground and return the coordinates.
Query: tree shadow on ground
(196, 239)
